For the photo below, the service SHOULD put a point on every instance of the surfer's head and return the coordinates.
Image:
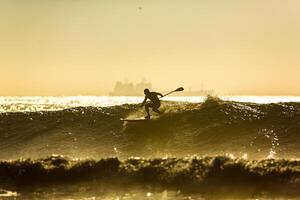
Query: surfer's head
(146, 91)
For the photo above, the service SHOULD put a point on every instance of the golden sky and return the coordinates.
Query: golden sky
(82, 47)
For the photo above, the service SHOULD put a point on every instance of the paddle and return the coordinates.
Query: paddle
(177, 90)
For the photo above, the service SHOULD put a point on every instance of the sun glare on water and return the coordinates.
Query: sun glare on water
(35, 103)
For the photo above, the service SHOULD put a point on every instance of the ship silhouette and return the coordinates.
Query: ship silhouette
(130, 89)
(137, 89)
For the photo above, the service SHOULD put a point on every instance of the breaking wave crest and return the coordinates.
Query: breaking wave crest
(214, 127)
(197, 174)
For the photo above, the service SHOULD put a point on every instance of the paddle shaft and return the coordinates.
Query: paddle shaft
(169, 93)
(177, 90)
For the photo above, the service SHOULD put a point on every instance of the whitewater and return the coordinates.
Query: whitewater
(241, 147)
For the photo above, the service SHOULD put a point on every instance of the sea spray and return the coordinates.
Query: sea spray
(197, 174)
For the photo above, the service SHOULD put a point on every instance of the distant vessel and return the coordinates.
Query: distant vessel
(130, 89)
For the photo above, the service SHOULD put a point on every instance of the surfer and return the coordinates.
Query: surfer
(154, 104)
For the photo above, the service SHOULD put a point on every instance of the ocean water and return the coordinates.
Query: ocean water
(200, 148)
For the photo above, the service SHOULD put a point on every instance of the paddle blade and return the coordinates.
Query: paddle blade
(179, 89)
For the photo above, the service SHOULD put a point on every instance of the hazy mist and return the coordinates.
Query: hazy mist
(64, 47)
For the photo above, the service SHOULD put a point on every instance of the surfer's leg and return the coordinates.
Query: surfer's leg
(155, 109)
(147, 110)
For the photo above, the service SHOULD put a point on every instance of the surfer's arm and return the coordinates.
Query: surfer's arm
(160, 94)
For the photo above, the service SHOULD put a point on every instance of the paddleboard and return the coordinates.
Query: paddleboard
(142, 119)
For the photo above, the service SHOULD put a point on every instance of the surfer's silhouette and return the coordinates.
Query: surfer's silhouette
(154, 104)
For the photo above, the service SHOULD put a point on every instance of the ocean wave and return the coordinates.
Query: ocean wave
(197, 174)
(212, 127)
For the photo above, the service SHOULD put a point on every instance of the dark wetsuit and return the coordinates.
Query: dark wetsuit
(154, 104)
